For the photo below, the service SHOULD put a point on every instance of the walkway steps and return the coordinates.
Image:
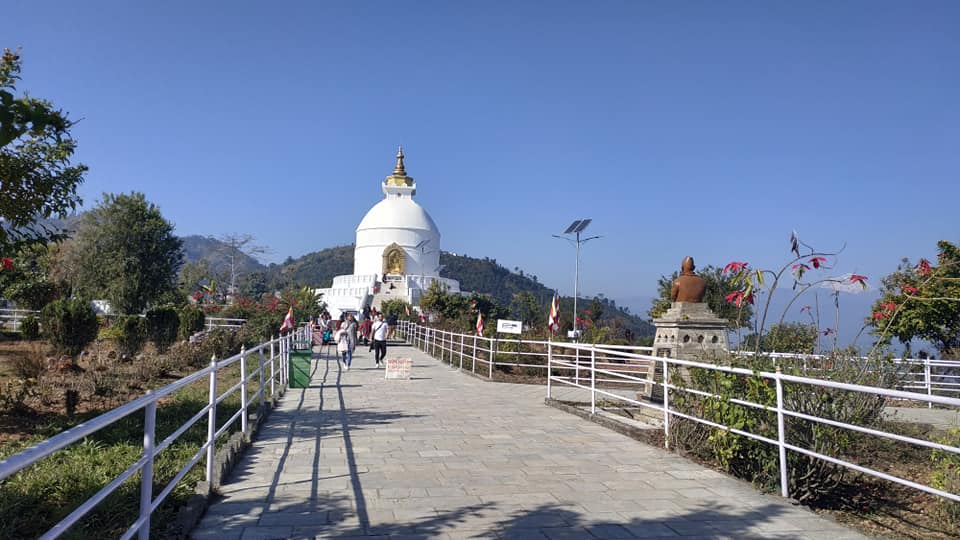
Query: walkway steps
(445, 455)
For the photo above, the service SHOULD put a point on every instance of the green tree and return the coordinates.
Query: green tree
(786, 338)
(526, 308)
(126, 252)
(395, 307)
(718, 286)
(36, 179)
(29, 283)
(922, 301)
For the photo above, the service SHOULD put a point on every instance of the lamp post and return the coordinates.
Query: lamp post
(576, 228)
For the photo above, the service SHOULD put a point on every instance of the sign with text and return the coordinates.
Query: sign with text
(509, 327)
(399, 368)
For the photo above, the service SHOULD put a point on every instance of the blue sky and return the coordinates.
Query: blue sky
(704, 128)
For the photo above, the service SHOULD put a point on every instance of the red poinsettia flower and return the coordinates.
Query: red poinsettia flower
(817, 261)
(880, 315)
(923, 267)
(857, 278)
(6, 264)
(197, 295)
(734, 267)
(907, 289)
(737, 298)
(889, 307)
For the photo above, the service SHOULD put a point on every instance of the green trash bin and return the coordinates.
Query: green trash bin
(300, 368)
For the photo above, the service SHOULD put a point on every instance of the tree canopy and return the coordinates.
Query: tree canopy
(125, 251)
(922, 301)
(37, 181)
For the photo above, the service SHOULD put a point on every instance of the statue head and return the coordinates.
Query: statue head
(687, 265)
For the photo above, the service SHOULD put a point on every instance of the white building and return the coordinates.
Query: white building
(397, 251)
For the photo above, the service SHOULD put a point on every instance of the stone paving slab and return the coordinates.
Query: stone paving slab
(445, 455)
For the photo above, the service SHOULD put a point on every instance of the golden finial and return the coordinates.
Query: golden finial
(398, 170)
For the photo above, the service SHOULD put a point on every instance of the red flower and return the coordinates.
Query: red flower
(197, 295)
(6, 263)
(907, 289)
(817, 261)
(737, 298)
(880, 315)
(734, 267)
(799, 269)
(889, 307)
(923, 267)
(857, 278)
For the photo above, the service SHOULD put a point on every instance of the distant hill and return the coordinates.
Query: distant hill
(316, 269)
(217, 254)
(484, 276)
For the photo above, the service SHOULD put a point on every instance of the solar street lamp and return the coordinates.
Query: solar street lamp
(575, 229)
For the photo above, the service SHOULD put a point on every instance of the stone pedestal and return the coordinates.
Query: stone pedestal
(689, 331)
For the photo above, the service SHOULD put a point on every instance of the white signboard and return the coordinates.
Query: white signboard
(509, 327)
(399, 368)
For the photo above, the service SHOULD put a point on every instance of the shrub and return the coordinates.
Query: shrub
(132, 334)
(70, 325)
(810, 479)
(162, 326)
(30, 328)
(946, 477)
(192, 320)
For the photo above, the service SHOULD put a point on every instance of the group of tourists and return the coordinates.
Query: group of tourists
(373, 330)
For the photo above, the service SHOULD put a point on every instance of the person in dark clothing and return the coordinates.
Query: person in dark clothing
(380, 331)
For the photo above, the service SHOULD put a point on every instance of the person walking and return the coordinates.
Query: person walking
(380, 329)
(347, 341)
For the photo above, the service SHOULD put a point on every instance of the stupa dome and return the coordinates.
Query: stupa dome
(398, 213)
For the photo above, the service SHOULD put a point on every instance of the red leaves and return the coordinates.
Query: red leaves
(6, 263)
(818, 261)
(734, 267)
(197, 296)
(739, 297)
(857, 278)
(923, 267)
(907, 289)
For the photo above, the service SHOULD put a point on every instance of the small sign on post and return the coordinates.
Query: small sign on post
(398, 368)
(509, 327)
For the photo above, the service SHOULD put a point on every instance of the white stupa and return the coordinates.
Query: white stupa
(397, 253)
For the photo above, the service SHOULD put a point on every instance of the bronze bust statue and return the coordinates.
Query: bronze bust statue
(689, 287)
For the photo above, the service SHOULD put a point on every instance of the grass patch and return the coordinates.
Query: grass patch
(38, 497)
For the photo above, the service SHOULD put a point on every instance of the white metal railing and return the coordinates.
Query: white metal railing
(602, 370)
(10, 319)
(932, 377)
(221, 322)
(277, 362)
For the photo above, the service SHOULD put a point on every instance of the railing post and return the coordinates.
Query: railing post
(146, 474)
(666, 404)
(473, 365)
(549, 365)
(593, 381)
(263, 390)
(781, 437)
(273, 376)
(576, 373)
(243, 390)
(493, 352)
(461, 351)
(928, 380)
(211, 421)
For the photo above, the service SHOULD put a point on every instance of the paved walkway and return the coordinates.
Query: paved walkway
(445, 455)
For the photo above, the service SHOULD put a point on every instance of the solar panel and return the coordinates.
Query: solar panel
(572, 226)
(582, 224)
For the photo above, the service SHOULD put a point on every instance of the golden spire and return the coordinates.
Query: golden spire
(398, 170)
